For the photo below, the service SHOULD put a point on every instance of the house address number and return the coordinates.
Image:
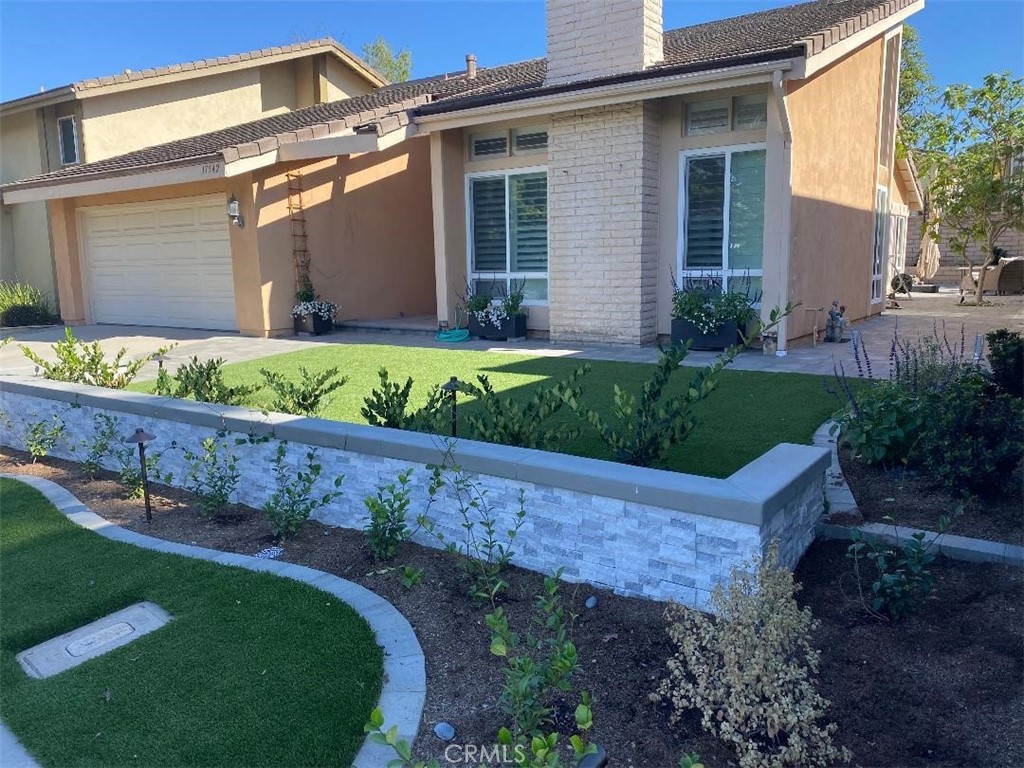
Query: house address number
(211, 169)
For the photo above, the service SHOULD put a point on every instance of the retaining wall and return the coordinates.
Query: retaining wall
(641, 532)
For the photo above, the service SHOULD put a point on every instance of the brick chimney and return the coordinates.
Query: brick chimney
(599, 38)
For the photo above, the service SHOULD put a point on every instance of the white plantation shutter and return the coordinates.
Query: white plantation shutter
(528, 219)
(528, 141)
(488, 213)
(489, 145)
(705, 214)
(707, 117)
(749, 112)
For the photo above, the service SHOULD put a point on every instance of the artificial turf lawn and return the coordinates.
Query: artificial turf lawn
(750, 412)
(253, 669)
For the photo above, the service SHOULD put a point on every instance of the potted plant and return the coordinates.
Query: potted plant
(708, 317)
(311, 314)
(499, 318)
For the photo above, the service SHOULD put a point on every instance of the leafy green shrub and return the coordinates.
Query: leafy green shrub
(23, 304)
(411, 577)
(212, 475)
(388, 406)
(882, 424)
(293, 501)
(107, 442)
(39, 437)
(203, 382)
(1006, 358)
(81, 363)
(485, 549)
(704, 304)
(751, 672)
(505, 421)
(308, 396)
(387, 527)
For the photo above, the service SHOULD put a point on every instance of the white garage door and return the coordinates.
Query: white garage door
(165, 263)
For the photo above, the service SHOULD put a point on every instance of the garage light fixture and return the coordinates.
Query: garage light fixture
(233, 213)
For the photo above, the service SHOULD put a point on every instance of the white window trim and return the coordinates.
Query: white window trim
(880, 249)
(507, 275)
(725, 271)
(890, 150)
(60, 139)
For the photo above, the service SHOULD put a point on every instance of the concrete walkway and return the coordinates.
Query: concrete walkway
(403, 691)
(917, 318)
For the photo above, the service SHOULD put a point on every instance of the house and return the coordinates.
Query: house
(96, 119)
(758, 150)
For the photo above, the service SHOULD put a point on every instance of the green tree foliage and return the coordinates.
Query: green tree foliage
(975, 160)
(396, 66)
(917, 92)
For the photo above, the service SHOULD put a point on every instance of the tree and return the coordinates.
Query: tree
(975, 159)
(917, 92)
(396, 67)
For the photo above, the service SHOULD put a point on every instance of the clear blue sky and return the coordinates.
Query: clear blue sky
(49, 43)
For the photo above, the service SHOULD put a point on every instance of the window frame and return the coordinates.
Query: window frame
(60, 139)
(472, 138)
(730, 123)
(507, 275)
(879, 251)
(724, 272)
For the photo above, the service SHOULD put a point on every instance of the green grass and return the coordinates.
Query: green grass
(750, 413)
(253, 669)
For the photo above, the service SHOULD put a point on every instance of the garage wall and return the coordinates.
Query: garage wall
(370, 233)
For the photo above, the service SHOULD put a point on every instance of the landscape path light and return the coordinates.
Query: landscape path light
(140, 437)
(452, 387)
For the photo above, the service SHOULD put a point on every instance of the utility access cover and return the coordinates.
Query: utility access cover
(72, 648)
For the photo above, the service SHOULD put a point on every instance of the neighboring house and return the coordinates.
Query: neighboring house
(757, 149)
(97, 119)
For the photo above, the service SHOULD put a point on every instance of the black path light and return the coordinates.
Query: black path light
(452, 387)
(140, 437)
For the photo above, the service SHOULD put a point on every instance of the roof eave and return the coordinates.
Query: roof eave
(36, 100)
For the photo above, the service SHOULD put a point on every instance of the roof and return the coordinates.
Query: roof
(775, 34)
(198, 68)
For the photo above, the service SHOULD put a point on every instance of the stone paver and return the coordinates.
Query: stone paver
(403, 692)
(917, 317)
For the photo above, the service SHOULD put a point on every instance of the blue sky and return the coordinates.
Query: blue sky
(46, 43)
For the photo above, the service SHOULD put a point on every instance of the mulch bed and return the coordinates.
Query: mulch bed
(943, 688)
(915, 500)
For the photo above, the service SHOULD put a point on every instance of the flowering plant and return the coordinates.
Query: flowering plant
(494, 311)
(327, 310)
(704, 304)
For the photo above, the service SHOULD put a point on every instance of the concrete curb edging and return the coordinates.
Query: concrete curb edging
(837, 491)
(403, 692)
(954, 547)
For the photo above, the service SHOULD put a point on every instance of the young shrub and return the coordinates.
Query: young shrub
(387, 527)
(411, 577)
(213, 476)
(1006, 358)
(880, 425)
(306, 397)
(293, 501)
(107, 442)
(507, 422)
(388, 406)
(752, 671)
(41, 436)
(81, 363)
(203, 382)
(23, 304)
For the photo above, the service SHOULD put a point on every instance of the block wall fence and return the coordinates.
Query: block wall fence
(640, 532)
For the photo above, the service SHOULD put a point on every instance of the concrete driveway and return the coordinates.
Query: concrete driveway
(917, 317)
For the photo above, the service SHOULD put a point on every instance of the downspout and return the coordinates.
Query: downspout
(786, 190)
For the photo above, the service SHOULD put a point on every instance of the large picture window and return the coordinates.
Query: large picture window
(508, 232)
(722, 216)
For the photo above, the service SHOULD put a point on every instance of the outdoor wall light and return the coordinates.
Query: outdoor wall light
(452, 387)
(140, 437)
(234, 216)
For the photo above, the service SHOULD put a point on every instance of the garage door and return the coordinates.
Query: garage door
(166, 263)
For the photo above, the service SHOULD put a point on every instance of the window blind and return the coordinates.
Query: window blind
(749, 112)
(705, 206)
(707, 117)
(528, 141)
(489, 146)
(528, 218)
(488, 215)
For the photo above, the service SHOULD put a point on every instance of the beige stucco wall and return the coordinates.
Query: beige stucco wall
(24, 233)
(370, 234)
(834, 117)
(342, 82)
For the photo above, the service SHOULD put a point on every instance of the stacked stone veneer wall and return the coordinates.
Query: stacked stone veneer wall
(639, 532)
(603, 192)
(949, 262)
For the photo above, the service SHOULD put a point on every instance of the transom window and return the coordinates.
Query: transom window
(722, 216)
(68, 134)
(508, 232)
(526, 140)
(739, 113)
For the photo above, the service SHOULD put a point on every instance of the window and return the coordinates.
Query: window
(741, 113)
(878, 255)
(722, 212)
(530, 140)
(890, 81)
(508, 232)
(68, 134)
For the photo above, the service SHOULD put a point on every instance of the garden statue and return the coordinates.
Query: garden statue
(836, 323)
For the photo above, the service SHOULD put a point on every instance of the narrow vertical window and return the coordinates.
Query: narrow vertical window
(68, 133)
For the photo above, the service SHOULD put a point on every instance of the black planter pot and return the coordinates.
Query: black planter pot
(726, 335)
(511, 328)
(313, 325)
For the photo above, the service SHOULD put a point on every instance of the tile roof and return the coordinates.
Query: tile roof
(764, 36)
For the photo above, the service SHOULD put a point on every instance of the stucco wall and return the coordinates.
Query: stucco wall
(342, 82)
(370, 234)
(24, 233)
(834, 117)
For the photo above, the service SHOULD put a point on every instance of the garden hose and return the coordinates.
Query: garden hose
(456, 334)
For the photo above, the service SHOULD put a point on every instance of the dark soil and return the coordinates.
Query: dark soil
(944, 688)
(916, 500)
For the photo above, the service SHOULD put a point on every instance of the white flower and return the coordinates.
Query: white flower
(327, 310)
